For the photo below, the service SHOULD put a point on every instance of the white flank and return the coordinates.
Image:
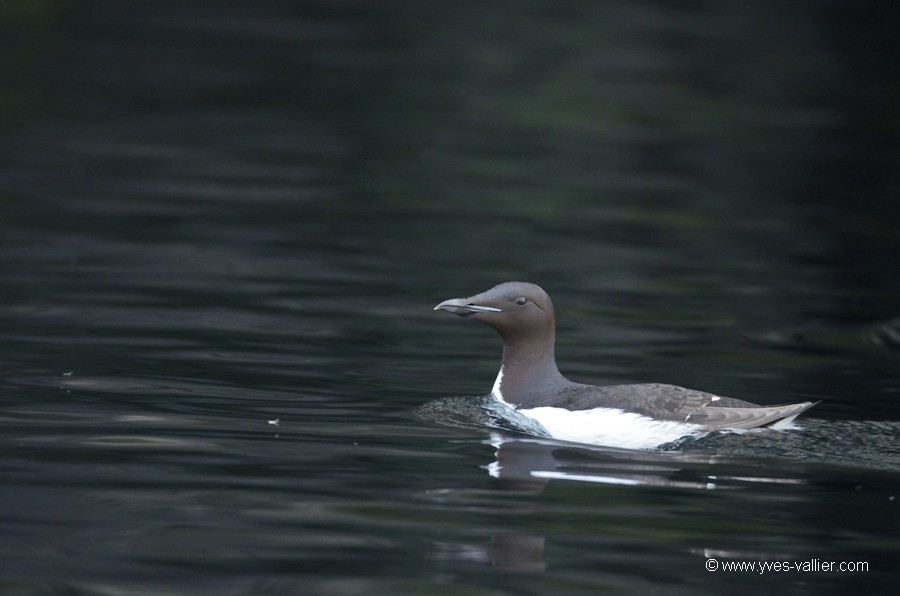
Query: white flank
(610, 426)
(785, 423)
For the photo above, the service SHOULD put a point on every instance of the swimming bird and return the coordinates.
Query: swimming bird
(638, 416)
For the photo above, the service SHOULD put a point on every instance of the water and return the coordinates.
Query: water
(223, 230)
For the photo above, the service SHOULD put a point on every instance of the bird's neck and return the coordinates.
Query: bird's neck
(528, 373)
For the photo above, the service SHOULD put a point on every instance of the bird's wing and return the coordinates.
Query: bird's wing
(657, 400)
(716, 418)
(671, 402)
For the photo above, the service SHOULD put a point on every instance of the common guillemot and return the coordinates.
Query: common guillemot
(639, 416)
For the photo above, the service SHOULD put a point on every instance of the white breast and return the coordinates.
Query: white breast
(497, 391)
(610, 426)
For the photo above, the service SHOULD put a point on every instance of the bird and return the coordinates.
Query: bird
(634, 416)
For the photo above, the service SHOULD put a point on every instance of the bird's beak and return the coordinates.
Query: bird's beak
(464, 308)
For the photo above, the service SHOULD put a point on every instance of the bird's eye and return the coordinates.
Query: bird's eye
(521, 300)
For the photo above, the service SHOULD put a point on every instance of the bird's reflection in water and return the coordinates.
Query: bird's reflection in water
(525, 466)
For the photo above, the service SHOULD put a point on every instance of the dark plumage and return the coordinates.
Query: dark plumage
(529, 379)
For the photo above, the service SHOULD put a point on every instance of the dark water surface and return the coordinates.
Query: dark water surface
(224, 225)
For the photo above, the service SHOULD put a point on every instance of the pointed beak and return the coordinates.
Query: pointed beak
(463, 308)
